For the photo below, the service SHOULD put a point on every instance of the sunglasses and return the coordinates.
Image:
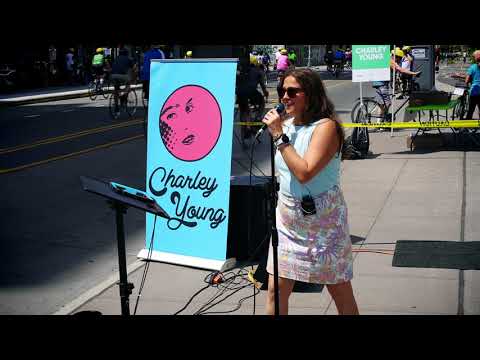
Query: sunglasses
(291, 91)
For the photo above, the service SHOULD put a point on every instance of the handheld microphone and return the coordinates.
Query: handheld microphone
(280, 109)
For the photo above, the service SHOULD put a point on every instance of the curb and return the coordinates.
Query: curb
(34, 99)
(88, 295)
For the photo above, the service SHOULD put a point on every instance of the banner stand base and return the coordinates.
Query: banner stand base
(175, 259)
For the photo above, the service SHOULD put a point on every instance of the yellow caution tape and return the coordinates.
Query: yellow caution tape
(420, 124)
(402, 125)
(246, 123)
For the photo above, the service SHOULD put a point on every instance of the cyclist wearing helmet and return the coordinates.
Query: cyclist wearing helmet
(153, 53)
(283, 62)
(248, 79)
(98, 63)
(406, 63)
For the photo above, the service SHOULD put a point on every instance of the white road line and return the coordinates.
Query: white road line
(68, 110)
(31, 116)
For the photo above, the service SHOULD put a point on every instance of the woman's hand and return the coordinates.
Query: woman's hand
(274, 122)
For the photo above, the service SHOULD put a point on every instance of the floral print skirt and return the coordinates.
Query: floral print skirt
(314, 248)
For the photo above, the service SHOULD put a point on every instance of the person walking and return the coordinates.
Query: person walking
(314, 244)
(473, 77)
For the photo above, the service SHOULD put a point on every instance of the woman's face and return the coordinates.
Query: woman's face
(190, 123)
(296, 104)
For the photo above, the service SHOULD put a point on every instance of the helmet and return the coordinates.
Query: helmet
(189, 53)
(253, 60)
(406, 48)
(99, 50)
(398, 52)
(284, 52)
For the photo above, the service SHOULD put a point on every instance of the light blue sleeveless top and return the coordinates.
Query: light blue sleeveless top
(328, 177)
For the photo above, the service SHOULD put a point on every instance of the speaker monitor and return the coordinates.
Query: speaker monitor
(249, 218)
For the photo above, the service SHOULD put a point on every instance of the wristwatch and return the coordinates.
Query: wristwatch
(282, 140)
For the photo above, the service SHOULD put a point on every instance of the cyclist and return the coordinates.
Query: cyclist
(406, 63)
(292, 57)
(122, 71)
(153, 53)
(328, 58)
(98, 63)
(473, 76)
(339, 59)
(348, 56)
(248, 79)
(283, 63)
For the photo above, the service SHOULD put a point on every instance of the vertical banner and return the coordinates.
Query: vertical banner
(370, 63)
(189, 150)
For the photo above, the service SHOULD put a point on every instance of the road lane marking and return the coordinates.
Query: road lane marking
(70, 136)
(68, 110)
(31, 116)
(5, 171)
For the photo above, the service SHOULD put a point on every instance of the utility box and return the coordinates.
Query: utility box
(424, 61)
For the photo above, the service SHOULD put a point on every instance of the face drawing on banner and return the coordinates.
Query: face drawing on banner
(190, 123)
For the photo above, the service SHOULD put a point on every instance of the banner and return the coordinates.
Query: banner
(370, 63)
(189, 151)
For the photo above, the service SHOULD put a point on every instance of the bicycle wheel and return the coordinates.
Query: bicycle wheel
(371, 111)
(106, 88)
(92, 91)
(114, 110)
(132, 102)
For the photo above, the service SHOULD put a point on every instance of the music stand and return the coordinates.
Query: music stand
(120, 203)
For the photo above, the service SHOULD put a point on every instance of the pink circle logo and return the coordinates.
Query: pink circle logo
(190, 123)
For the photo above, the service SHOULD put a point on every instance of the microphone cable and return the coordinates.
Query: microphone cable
(147, 265)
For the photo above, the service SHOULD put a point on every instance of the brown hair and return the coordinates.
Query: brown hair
(318, 105)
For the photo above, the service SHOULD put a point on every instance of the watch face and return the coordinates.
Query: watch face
(285, 139)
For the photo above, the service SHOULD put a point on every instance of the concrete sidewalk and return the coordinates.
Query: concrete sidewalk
(394, 195)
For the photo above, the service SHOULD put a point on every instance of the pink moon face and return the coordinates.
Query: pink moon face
(190, 123)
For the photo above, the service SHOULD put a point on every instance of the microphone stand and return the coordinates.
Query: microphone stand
(274, 232)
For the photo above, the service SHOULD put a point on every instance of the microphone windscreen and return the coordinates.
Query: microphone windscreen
(280, 108)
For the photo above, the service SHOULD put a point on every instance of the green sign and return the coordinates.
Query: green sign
(370, 62)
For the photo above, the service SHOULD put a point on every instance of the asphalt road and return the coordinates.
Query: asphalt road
(58, 241)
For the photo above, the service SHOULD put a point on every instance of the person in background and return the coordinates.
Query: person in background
(473, 78)
(153, 53)
(98, 65)
(123, 69)
(292, 57)
(283, 63)
(328, 58)
(314, 244)
(69, 62)
(277, 56)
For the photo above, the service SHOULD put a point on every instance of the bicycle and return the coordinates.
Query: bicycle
(374, 112)
(257, 111)
(461, 108)
(337, 68)
(97, 87)
(128, 102)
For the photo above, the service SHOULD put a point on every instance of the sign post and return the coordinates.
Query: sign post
(370, 63)
(189, 150)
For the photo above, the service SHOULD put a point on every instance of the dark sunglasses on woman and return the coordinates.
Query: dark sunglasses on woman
(291, 91)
